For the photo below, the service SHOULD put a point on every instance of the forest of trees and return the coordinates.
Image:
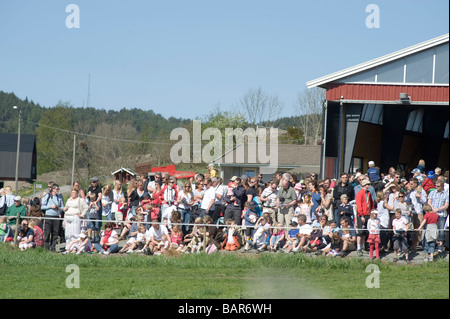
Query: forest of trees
(110, 139)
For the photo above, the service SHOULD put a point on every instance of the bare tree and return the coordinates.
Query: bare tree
(260, 108)
(308, 108)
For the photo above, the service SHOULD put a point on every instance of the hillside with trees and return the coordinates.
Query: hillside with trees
(105, 140)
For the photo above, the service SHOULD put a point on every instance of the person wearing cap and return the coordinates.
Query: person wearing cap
(373, 172)
(13, 210)
(428, 184)
(357, 188)
(364, 205)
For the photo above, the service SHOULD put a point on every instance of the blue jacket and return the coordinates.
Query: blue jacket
(50, 200)
(374, 174)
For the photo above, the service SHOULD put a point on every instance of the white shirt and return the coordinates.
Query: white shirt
(305, 229)
(111, 237)
(210, 195)
(156, 233)
(219, 190)
(383, 214)
(114, 205)
(271, 196)
(188, 197)
(373, 226)
(418, 202)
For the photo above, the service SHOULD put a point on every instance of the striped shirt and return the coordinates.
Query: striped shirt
(438, 200)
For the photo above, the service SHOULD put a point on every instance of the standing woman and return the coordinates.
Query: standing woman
(107, 202)
(116, 195)
(185, 200)
(131, 188)
(75, 209)
(315, 197)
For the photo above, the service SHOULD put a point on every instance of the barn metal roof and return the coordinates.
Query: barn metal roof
(322, 81)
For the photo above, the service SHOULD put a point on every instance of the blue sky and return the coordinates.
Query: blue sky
(181, 58)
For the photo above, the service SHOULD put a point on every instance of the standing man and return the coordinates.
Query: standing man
(418, 197)
(286, 200)
(97, 191)
(438, 200)
(342, 188)
(235, 202)
(151, 184)
(364, 205)
(209, 198)
(53, 205)
(269, 200)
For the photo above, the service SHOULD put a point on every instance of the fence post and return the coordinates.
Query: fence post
(17, 229)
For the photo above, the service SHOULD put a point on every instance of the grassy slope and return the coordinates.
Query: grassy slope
(220, 276)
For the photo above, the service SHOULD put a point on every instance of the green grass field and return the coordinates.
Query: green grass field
(43, 275)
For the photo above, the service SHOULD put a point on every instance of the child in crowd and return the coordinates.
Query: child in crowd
(305, 207)
(38, 238)
(249, 221)
(152, 211)
(192, 241)
(175, 219)
(291, 238)
(3, 229)
(231, 240)
(163, 245)
(121, 213)
(82, 244)
(373, 227)
(316, 240)
(176, 236)
(277, 240)
(23, 243)
(260, 237)
(335, 245)
(92, 215)
(345, 210)
(430, 220)
(135, 241)
(400, 227)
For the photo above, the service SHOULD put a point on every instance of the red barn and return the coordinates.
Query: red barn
(392, 110)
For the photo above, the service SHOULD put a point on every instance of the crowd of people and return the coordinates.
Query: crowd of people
(369, 211)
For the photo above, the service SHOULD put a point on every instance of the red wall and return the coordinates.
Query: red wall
(386, 92)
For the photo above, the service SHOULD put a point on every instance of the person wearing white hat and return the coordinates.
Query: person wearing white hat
(14, 210)
(374, 176)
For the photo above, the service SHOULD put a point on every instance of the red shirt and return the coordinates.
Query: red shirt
(362, 205)
(432, 218)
